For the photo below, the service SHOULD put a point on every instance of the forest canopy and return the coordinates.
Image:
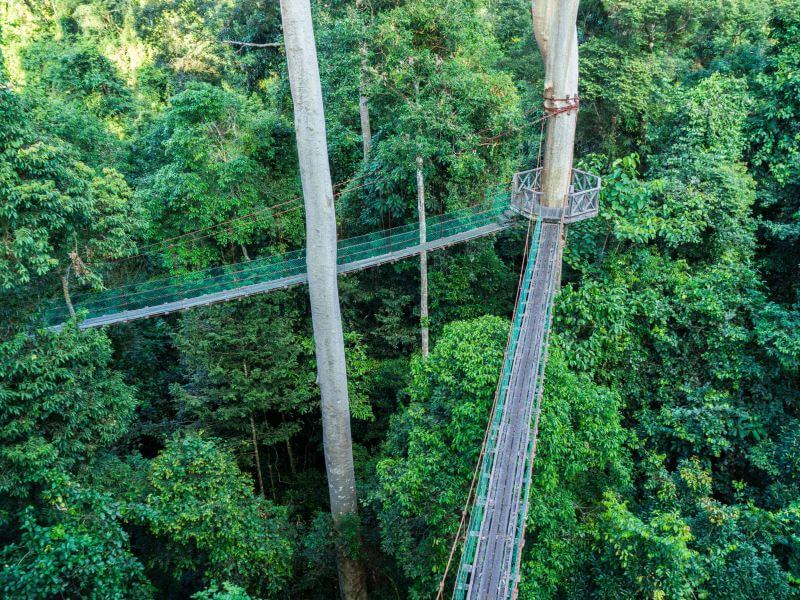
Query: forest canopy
(182, 456)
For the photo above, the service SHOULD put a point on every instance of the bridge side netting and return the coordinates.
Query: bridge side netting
(291, 266)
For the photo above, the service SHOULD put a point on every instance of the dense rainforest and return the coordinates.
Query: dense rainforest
(182, 456)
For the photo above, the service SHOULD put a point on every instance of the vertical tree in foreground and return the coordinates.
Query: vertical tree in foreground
(423, 261)
(309, 119)
(557, 38)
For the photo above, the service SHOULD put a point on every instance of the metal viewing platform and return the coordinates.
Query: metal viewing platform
(583, 202)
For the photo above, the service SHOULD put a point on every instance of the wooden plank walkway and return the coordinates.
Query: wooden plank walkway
(285, 282)
(494, 572)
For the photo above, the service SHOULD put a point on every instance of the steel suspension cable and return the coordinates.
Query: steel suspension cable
(338, 193)
(479, 462)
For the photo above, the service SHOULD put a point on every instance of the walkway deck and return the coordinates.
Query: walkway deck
(489, 566)
(211, 286)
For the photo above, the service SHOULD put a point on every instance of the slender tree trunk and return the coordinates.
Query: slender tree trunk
(257, 456)
(363, 101)
(423, 260)
(309, 118)
(67, 296)
(366, 128)
(556, 35)
(290, 452)
(271, 477)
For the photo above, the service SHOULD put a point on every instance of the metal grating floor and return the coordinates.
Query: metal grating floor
(493, 569)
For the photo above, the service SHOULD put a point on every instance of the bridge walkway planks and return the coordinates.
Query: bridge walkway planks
(494, 570)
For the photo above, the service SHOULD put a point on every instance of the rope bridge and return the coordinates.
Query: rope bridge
(220, 284)
(490, 559)
(493, 539)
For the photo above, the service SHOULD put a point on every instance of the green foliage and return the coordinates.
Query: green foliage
(689, 544)
(441, 104)
(58, 212)
(80, 73)
(340, 35)
(774, 136)
(218, 159)
(625, 90)
(244, 360)
(667, 461)
(775, 150)
(318, 555)
(201, 502)
(80, 551)
(183, 35)
(581, 455)
(253, 359)
(227, 591)
(470, 284)
(59, 404)
(649, 559)
(432, 446)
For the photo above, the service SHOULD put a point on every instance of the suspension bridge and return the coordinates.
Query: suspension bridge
(493, 539)
(163, 296)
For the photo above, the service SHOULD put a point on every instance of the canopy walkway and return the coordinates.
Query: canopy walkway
(494, 536)
(491, 555)
(492, 544)
(220, 284)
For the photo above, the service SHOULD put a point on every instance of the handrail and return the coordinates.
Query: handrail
(583, 202)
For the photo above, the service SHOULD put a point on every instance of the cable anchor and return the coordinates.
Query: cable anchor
(558, 106)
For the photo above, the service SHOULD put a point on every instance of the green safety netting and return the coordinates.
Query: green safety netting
(281, 266)
(463, 578)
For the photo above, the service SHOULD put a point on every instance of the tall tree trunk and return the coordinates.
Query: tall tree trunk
(257, 456)
(556, 35)
(309, 118)
(67, 296)
(363, 101)
(423, 260)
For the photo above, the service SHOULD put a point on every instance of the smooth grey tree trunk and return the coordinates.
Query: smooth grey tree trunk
(363, 107)
(309, 119)
(557, 38)
(423, 261)
(366, 128)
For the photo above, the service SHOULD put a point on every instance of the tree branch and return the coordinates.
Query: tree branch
(253, 44)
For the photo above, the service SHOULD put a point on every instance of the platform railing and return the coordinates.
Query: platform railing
(583, 203)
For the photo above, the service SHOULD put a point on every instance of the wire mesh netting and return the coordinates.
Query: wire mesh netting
(489, 566)
(288, 268)
(463, 577)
